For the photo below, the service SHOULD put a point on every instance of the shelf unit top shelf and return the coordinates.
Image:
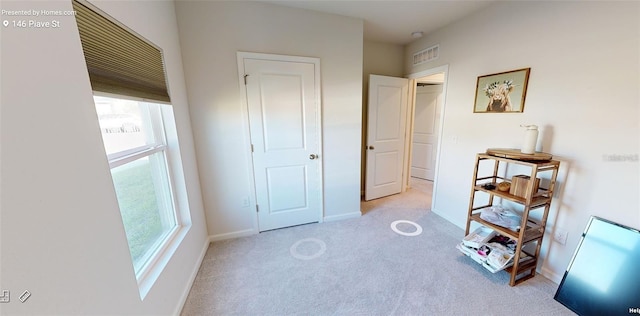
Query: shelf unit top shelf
(542, 165)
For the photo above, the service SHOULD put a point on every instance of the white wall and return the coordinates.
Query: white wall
(61, 231)
(382, 59)
(211, 33)
(583, 93)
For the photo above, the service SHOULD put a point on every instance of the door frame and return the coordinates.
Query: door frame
(413, 78)
(241, 56)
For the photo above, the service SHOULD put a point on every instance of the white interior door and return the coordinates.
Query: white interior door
(284, 108)
(425, 131)
(387, 117)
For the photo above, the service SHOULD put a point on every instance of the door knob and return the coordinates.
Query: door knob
(313, 156)
(371, 148)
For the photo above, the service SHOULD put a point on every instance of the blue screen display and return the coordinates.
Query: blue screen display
(603, 277)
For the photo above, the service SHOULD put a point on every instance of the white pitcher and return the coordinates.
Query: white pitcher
(530, 139)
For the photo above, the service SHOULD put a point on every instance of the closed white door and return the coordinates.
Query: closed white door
(284, 114)
(425, 131)
(387, 117)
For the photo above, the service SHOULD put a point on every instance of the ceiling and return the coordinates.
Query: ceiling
(393, 21)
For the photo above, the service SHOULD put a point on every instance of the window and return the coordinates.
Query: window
(134, 110)
(134, 139)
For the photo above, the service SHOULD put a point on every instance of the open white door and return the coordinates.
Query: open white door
(387, 118)
(284, 116)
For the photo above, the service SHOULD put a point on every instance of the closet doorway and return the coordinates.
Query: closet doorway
(425, 128)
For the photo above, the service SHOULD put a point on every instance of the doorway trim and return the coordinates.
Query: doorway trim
(413, 77)
(241, 56)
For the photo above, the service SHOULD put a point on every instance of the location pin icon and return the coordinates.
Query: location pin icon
(5, 23)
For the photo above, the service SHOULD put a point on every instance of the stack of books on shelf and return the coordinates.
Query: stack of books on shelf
(490, 249)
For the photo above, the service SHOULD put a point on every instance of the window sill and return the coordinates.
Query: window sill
(152, 272)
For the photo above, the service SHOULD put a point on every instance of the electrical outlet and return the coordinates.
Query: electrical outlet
(246, 201)
(560, 235)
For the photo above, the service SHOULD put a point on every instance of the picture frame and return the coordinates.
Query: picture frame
(502, 92)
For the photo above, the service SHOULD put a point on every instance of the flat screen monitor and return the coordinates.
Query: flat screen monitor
(603, 277)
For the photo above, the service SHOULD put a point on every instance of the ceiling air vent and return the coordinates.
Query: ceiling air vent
(426, 55)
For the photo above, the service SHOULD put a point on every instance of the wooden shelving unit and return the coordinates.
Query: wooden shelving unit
(531, 230)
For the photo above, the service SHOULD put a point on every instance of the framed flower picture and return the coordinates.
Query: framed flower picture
(502, 92)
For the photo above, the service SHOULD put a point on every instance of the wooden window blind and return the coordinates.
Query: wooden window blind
(119, 61)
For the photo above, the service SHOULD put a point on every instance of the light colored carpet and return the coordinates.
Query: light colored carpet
(366, 269)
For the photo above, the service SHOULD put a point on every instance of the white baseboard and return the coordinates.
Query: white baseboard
(449, 218)
(342, 216)
(231, 235)
(192, 278)
(551, 275)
